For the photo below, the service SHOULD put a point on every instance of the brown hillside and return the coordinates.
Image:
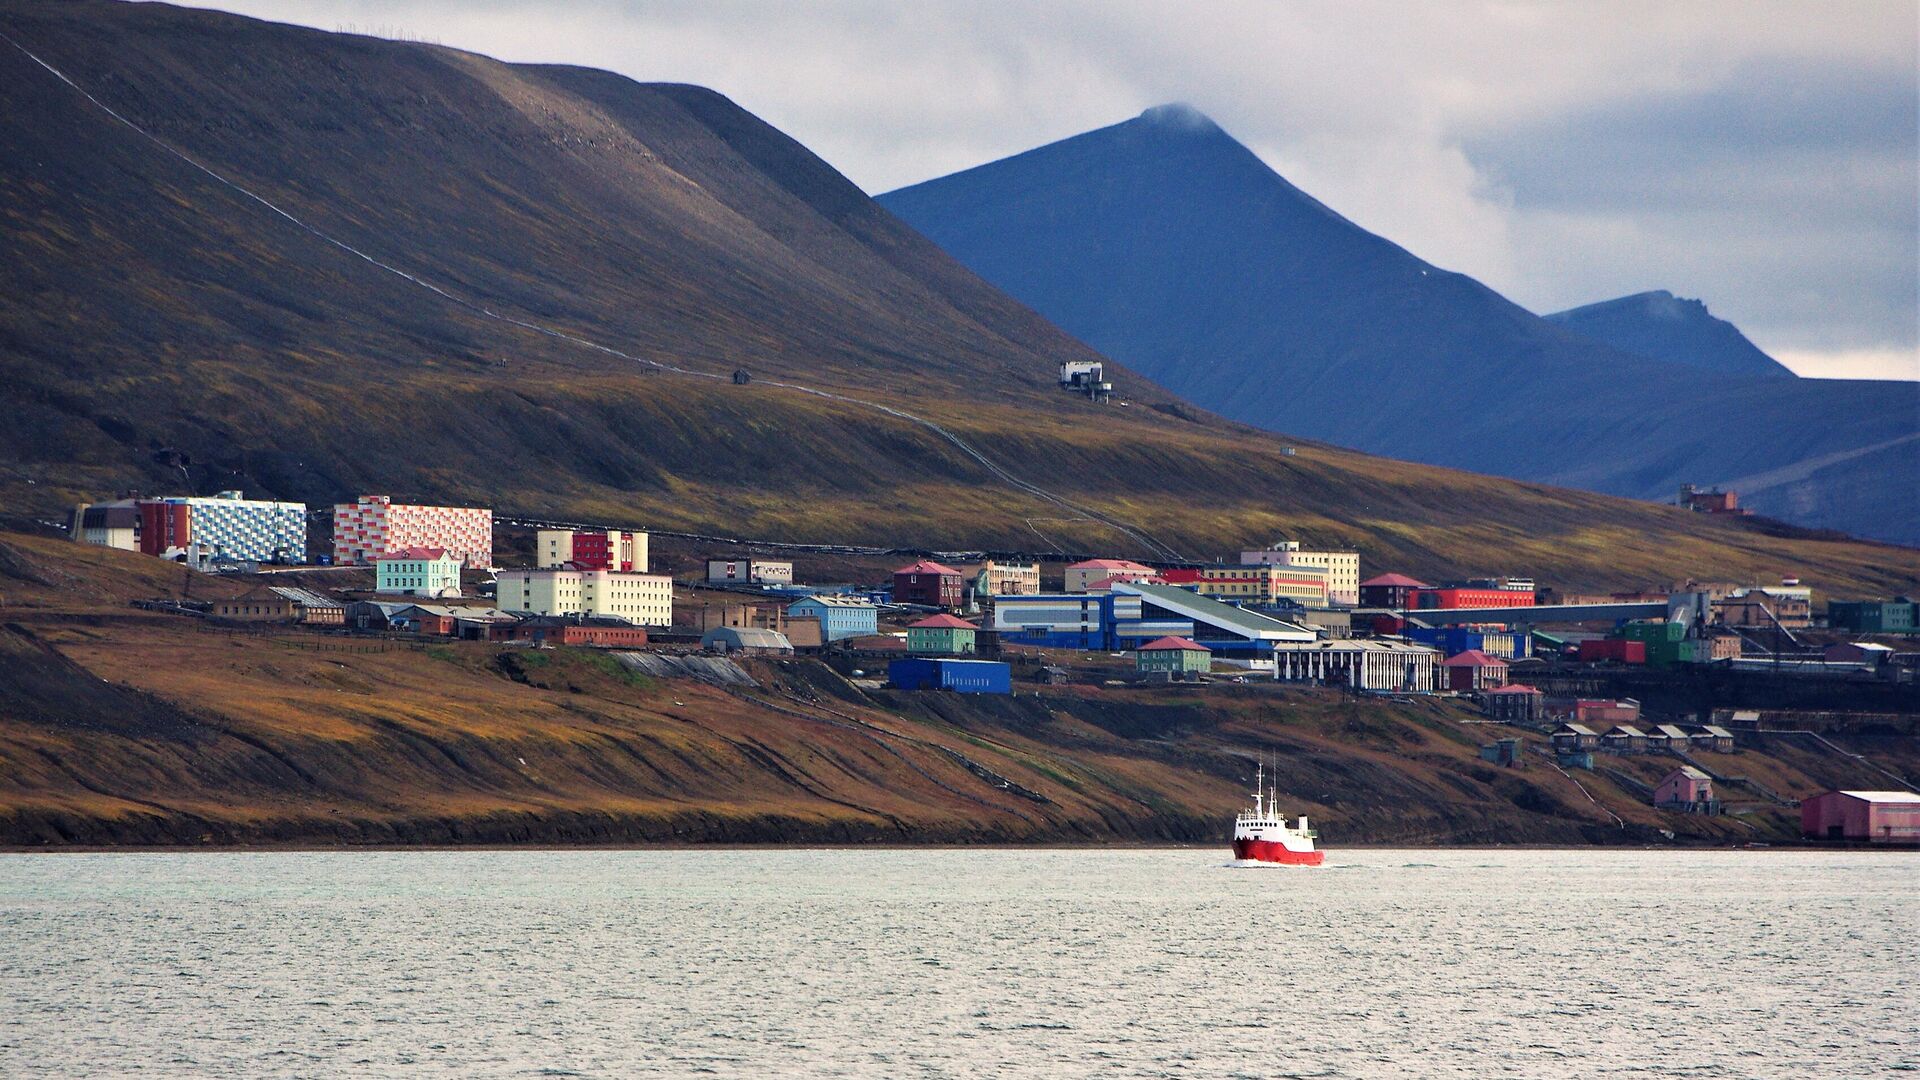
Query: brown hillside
(125, 727)
(160, 328)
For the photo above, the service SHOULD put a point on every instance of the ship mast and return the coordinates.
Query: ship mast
(1259, 786)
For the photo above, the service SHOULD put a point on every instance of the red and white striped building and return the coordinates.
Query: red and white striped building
(377, 526)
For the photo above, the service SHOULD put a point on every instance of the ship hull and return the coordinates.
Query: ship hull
(1274, 852)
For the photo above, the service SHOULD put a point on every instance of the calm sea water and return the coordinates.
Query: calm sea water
(954, 963)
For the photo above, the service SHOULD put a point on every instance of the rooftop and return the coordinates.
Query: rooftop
(413, 554)
(1401, 580)
(928, 566)
(1111, 564)
(1882, 796)
(1171, 644)
(943, 622)
(1474, 658)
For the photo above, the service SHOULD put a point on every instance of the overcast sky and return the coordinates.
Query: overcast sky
(1758, 156)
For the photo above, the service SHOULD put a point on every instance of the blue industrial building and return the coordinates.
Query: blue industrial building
(1133, 614)
(962, 676)
(840, 617)
(1454, 640)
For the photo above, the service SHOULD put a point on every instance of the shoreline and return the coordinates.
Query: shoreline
(298, 848)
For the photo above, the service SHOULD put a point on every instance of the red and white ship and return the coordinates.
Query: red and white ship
(1263, 835)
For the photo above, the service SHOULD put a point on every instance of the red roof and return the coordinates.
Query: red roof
(943, 622)
(1474, 658)
(1514, 688)
(1395, 579)
(1111, 564)
(414, 553)
(928, 566)
(1168, 644)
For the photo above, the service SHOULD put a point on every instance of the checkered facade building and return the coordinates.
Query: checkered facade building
(376, 526)
(226, 526)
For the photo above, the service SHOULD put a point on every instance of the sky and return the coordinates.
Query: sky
(1759, 156)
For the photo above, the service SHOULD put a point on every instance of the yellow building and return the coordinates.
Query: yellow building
(592, 550)
(645, 599)
(1265, 584)
(1342, 567)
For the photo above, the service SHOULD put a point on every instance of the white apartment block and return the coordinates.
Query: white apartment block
(643, 599)
(376, 525)
(1342, 567)
(592, 549)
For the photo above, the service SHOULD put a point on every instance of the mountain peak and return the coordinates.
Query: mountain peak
(1661, 326)
(1179, 116)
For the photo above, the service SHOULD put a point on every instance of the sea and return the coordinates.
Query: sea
(945, 962)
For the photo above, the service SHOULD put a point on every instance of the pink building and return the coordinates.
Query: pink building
(376, 525)
(1685, 788)
(1877, 817)
(1081, 576)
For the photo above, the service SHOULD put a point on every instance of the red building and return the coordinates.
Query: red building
(927, 583)
(1614, 650)
(1876, 817)
(1474, 670)
(1471, 596)
(597, 631)
(164, 525)
(1390, 591)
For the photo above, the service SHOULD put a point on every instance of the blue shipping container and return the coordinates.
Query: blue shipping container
(964, 676)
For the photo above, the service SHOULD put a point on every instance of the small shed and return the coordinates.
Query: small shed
(1668, 737)
(1867, 654)
(1874, 817)
(746, 641)
(1712, 737)
(941, 635)
(1177, 656)
(1504, 752)
(1686, 789)
(1624, 739)
(1572, 737)
(961, 676)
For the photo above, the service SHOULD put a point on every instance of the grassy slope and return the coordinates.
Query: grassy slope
(148, 315)
(121, 727)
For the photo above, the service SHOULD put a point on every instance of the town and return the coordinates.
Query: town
(1525, 654)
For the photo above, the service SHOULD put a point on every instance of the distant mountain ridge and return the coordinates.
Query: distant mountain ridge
(161, 330)
(1658, 325)
(1164, 243)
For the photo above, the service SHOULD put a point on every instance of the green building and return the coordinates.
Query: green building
(942, 635)
(1666, 642)
(1872, 616)
(1175, 655)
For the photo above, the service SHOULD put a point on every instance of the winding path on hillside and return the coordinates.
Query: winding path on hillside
(999, 472)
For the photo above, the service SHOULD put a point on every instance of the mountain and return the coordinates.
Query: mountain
(1658, 325)
(1164, 243)
(237, 254)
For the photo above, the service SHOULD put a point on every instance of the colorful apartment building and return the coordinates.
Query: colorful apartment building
(941, 635)
(1083, 576)
(643, 599)
(1006, 579)
(196, 529)
(591, 550)
(417, 571)
(1394, 591)
(841, 617)
(929, 584)
(1262, 585)
(1176, 656)
(376, 525)
(1342, 567)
